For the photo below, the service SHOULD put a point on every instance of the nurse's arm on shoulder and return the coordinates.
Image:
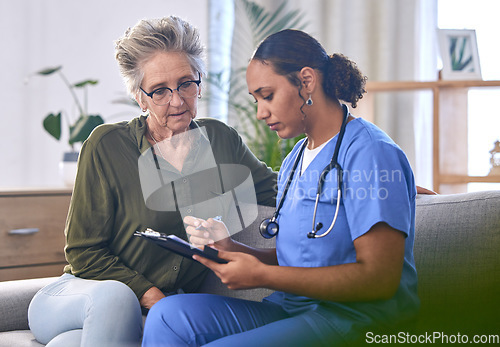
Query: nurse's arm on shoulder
(374, 276)
(214, 233)
(425, 191)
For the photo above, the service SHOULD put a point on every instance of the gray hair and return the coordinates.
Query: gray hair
(141, 42)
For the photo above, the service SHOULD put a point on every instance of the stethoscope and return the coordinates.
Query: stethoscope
(270, 227)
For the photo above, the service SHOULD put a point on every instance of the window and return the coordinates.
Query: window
(484, 116)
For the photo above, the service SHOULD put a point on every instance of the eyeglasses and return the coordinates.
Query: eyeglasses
(186, 90)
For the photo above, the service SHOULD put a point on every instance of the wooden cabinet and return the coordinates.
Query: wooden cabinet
(450, 127)
(32, 233)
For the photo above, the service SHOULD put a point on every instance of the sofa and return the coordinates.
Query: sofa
(457, 243)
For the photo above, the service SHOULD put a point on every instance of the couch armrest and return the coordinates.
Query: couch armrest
(15, 297)
(457, 240)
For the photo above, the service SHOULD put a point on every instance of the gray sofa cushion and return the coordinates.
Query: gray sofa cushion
(15, 297)
(458, 263)
(18, 338)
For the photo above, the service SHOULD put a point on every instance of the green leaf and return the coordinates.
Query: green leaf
(83, 127)
(52, 123)
(84, 83)
(49, 70)
(263, 142)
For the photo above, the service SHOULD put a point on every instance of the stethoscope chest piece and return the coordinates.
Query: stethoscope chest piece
(269, 228)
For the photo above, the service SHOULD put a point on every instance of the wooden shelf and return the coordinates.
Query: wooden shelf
(460, 179)
(35, 191)
(414, 85)
(449, 124)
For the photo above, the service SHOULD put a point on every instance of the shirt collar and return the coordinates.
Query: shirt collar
(141, 131)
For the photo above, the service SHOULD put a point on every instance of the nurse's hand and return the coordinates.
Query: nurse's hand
(422, 190)
(243, 271)
(207, 232)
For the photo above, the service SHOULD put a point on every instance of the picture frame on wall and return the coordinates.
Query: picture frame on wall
(459, 53)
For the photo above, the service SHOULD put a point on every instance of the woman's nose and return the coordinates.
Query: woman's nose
(262, 112)
(177, 99)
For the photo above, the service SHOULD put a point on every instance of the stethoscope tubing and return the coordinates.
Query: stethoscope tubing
(333, 164)
(337, 208)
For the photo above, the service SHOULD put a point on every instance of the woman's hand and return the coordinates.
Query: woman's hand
(151, 297)
(243, 271)
(210, 232)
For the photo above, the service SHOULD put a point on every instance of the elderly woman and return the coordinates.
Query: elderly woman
(111, 273)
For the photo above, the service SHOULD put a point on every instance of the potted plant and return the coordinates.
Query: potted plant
(78, 129)
(264, 143)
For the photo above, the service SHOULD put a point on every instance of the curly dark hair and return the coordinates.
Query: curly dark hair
(288, 51)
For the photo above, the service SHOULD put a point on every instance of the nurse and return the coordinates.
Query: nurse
(333, 288)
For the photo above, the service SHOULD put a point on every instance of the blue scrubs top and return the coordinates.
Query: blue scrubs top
(378, 186)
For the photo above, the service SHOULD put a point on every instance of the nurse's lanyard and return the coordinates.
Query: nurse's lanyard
(269, 227)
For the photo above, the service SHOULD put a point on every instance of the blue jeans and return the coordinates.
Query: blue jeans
(212, 320)
(77, 312)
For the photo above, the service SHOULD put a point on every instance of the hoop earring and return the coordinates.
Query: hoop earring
(309, 101)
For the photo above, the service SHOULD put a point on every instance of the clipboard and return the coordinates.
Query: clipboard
(179, 246)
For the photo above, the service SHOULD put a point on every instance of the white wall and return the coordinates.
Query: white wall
(78, 35)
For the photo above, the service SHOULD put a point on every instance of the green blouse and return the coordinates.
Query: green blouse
(108, 206)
